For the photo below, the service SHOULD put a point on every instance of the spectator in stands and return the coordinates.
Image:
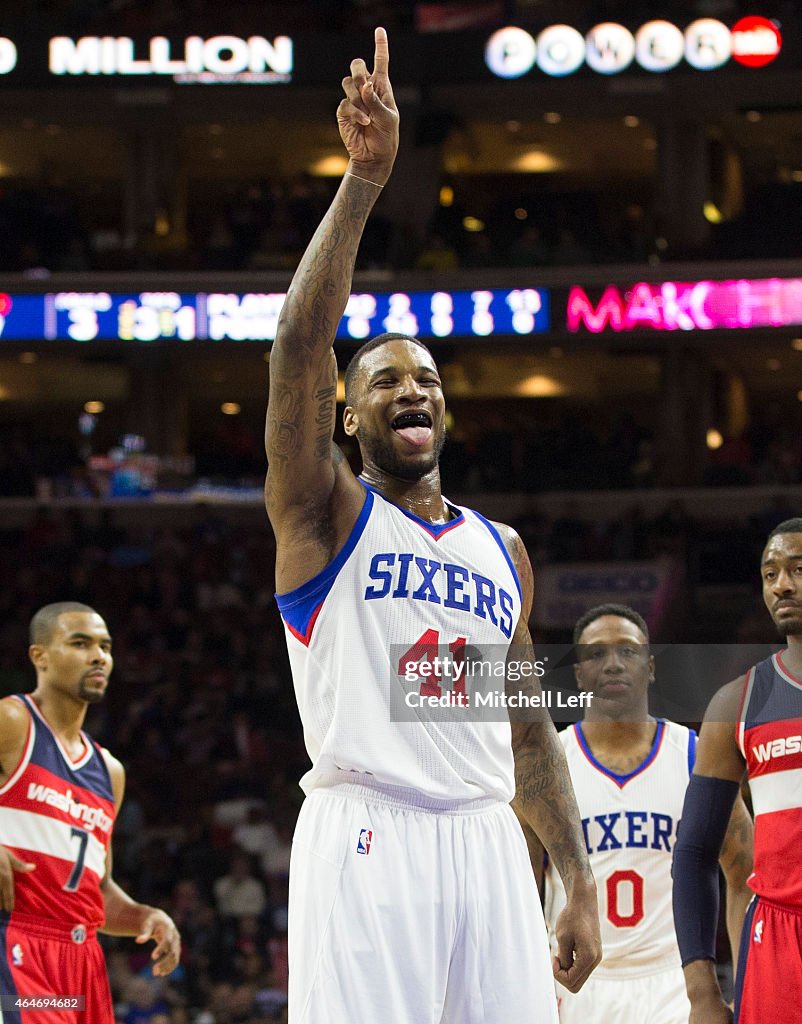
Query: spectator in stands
(257, 834)
(144, 1002)
(239, 893)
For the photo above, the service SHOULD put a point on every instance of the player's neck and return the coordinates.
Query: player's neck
(616, 733)
(423, 498)
(64, 715)
(621, 747)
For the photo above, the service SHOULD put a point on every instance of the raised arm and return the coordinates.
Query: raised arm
(706, 817)
(544, 798)
(303, 464)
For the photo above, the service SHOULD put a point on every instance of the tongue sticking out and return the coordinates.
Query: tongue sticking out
(415, 435)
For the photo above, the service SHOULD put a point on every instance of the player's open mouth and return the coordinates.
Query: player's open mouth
(415, 427)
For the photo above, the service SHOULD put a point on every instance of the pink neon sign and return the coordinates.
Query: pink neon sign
(688, 306)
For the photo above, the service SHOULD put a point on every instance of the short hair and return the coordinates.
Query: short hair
(43, 624)
(623, 611)
(352, 369)
(789, 526)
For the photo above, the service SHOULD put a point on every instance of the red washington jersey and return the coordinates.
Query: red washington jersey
(769, 733)
(58, 814)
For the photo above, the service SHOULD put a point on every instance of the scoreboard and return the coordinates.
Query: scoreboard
(253, 316)
(638, 308)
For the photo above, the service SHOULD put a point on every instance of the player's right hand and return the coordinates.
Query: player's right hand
(579, 947)
(9, 863)
(368, 117)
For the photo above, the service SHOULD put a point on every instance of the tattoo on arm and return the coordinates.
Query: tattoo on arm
(736, 860)
(303, 370)
(284, 425)
(545, 798)
(324, 420)
(536, 850)
(544, 795)
(737, 850)
(319, 290)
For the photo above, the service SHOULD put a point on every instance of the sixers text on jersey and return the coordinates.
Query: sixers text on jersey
(455, 586)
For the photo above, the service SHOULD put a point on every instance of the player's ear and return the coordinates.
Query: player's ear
(578, 675)
(350, 420)
(38, 655)
(651, 669)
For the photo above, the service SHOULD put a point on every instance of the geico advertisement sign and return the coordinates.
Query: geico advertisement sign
(220, 58)
(610, 48)
(564, 592)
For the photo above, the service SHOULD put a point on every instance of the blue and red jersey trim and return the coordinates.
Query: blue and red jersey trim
(622, 780)
(784, 671)
(497, 538)
(300, 607)
(89, 771)
(747, 935)
(692, 737)
(435, 530)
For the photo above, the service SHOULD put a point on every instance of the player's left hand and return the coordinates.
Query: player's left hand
(161, 928)
(578, 939)
(368, 116)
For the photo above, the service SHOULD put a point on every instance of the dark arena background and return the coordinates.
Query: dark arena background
(600, 242)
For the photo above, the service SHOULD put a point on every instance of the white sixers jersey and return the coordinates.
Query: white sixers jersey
(401, 592)
(630, 824)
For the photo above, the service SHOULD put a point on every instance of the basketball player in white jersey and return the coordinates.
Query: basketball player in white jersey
(630, 772)
(411, 895)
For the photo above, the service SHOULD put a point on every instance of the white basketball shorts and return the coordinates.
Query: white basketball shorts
(644, 999)
(406, 915)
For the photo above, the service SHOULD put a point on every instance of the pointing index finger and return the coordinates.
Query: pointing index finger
(381, 57)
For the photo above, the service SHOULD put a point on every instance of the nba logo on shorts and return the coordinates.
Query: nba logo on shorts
(16, 954)
(78, 934)
(759, 931)
(364, 841)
